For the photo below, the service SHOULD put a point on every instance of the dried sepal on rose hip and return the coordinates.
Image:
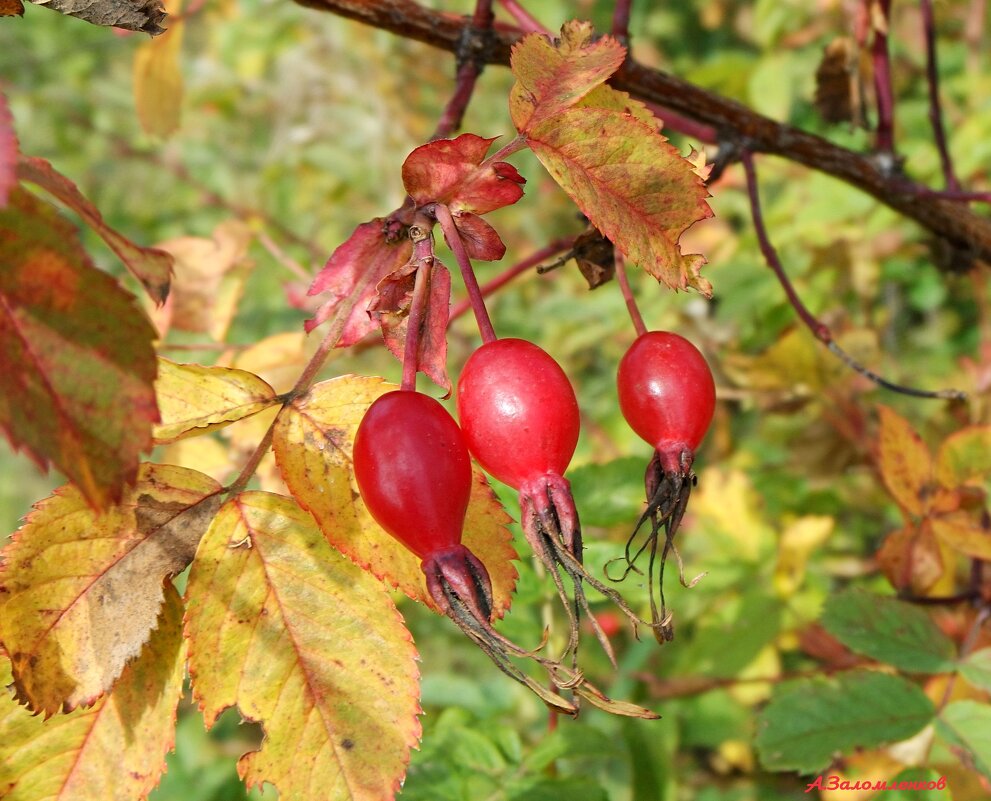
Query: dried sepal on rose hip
(414, 475)
(521, 422)
(668, 396)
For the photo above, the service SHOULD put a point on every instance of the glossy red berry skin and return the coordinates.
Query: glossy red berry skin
(414, 471)
(666, 391)
(518, 411)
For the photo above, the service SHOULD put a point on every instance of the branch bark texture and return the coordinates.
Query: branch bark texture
(967, 232)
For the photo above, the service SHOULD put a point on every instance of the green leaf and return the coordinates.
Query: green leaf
(574, 788)
(965, 457)
(808, 721)
(571, 742)
(976, 669)
(609, 493)
(966, 726)
(888, 630)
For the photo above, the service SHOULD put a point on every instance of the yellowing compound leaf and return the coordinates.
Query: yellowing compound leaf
(78, 363)
(904, 461)
(605, 97)
(194, 400)
(113, 751)
(158, 82)
(550, 79)
(313, 442)
(631, 184)
(209, 276)
(131, 15)
(308, 644)
(152, 267)
(965, 457)
(963, 532)
(80, 591)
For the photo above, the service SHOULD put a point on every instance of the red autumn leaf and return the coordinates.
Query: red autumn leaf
(354, 270)
(152, 267)
(391, 308)
(8, 152)
(480, 239)
(77, 385)
(451, 171)
(552, 79)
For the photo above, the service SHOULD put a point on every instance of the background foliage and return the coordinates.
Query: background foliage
(295, 123)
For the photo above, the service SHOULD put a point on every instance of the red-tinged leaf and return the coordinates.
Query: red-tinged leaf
(77, 384)
(356, 268)
(11, 8)
(152, 267)
(631, 184)
(480, 239)
(911, 558)
(904, 461)
(8, 151)
(391, 308)
(552, 79)
(450, 171)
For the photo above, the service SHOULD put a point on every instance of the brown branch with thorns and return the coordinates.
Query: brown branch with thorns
(968, 233)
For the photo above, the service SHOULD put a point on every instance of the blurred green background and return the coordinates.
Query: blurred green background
(296, 123)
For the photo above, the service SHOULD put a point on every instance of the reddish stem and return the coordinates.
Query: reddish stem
(624, 287)
(527, 23)
(819, 329)
(470, 67)
(954, 194)
(621, 20)
(885, 137)
(683, 125)
(423, 256)
(555, 247)
(935, 109)
(453, 237)
(513, 146)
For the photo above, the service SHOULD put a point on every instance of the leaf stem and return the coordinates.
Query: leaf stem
(935, 109)
(624, 287)
(819, 329)
(453, 237)
(303, 383)
(488, 288)
(514, 146)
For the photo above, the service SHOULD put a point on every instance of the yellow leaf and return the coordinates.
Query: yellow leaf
(209, 275)
(205, 454)
(158, 82)
(279, 359)
(726, 503)
(963, 532)
(80, 591)
(113, 751)
(798, 541)
(904, 461)
(965, 457)
(308, 644)
(313, 442)
(194, 400)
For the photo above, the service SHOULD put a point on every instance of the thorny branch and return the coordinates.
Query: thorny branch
(965, 231)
